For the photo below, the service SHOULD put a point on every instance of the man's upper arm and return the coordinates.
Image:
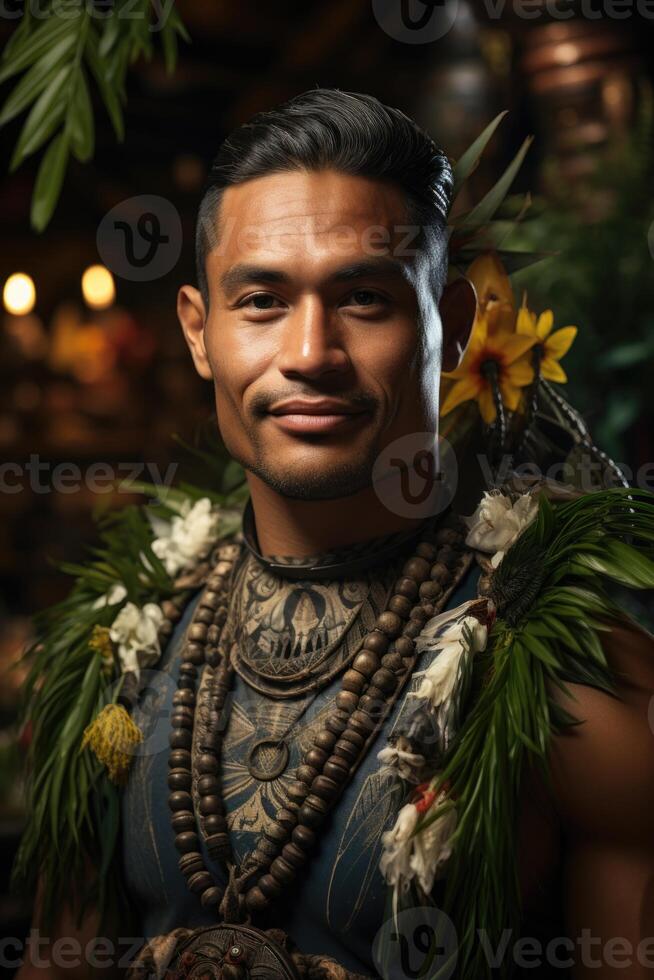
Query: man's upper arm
(69, 951)
(603, 777)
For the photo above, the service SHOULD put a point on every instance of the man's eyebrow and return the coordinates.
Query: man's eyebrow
(243, 274)
(247, 275)
(369, 269)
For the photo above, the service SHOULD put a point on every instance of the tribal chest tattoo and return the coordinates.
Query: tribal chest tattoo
(288, 641)
(287, 638)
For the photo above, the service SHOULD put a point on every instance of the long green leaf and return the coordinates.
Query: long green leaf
(80, 120)
(20, 37)
(69, 737)
(44, 118)
(49, 180)
(99, 71)
(484, 211)
(110, 33)
(35, 80)
(171, 30)
(623, 564)
(34, 46)
(470, 158)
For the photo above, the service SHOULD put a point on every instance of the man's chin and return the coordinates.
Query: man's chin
(315, 483)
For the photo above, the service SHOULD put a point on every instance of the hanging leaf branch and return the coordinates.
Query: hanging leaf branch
(60, 54)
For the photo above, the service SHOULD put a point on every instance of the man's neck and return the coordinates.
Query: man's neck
(299, 528)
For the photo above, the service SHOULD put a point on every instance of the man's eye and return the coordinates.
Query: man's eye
(261, 301)
(365, 297)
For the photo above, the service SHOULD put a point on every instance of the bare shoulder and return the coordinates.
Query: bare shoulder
(603, 767)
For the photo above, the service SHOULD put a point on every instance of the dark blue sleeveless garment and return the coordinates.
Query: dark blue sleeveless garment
(338, 903)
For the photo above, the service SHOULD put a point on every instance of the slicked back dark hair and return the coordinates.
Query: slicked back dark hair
(345, 131)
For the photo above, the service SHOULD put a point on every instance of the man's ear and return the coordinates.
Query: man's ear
(458, 307)
(192, 315)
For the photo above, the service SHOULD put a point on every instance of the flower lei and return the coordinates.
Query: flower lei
(488, 691)
(416, 848)
(134, 635)
(88, 656)
(180, 543)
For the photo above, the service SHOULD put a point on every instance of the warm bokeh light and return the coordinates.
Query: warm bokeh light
(98, 287)
(19, 294)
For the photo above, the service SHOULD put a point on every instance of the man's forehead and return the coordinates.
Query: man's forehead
(325, 213)
(314, 197)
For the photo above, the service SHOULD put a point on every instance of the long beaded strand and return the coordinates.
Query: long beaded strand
(370, 687)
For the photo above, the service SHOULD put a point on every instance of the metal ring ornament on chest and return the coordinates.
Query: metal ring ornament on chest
(268, 758)
(227, 952)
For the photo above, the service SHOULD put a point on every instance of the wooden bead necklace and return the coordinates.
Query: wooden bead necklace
(369, 689)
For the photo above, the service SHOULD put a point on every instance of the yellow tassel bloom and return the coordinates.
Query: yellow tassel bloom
(112, 737)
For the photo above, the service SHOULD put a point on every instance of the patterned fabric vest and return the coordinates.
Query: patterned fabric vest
(338, 904)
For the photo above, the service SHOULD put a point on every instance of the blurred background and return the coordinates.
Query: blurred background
(92, 365)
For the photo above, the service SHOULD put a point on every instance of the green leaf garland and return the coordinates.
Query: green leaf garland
(542, 640)
(73, 808)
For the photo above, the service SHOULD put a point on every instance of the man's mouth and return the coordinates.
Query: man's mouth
(315, 415)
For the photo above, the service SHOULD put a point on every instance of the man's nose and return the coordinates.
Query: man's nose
(312, 342)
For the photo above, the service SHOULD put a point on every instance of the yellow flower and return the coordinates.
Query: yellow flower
(489, 352)
(550, 346)
(495, 298)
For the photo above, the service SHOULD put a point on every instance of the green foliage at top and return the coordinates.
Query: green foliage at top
(59, 55)
(546, 635)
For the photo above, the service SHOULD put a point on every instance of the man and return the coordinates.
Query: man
(318, 325)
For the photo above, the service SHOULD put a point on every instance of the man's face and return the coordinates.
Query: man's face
(314, 300)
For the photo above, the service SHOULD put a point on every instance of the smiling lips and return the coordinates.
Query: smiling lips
(317, 415)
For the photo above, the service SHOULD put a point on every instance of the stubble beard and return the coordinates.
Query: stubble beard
(313, 482)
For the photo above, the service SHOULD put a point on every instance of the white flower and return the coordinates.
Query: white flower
(187, 537)
(432, 848)
(422, 855)
(135, 631)
(395, 862)
(467, 634)
(115, 594)
(498, 522)
(400, 758)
